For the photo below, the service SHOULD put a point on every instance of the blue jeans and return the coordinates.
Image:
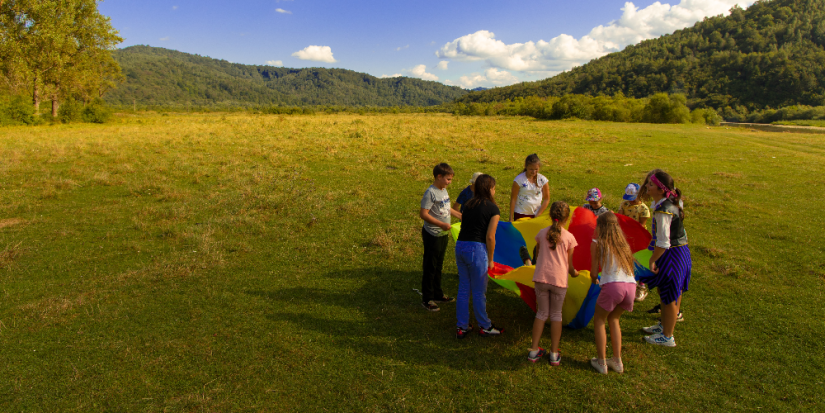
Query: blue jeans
(471, 259)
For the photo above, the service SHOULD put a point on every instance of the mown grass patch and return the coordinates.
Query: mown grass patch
(247, 262)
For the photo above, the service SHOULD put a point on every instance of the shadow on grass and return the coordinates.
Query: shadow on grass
(374, 312)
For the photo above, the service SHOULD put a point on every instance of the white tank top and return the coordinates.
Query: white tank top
(529, 194)
(613, 273)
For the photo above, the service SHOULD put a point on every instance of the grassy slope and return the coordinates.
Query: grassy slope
(266, 263)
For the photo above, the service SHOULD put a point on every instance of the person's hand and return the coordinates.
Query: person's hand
(445, 226)
(594, 278)
(653, 268)
(490, 266)
(527, 263)
(575, 273)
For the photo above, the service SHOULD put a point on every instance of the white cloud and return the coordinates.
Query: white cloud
(564, 52)
(443, 64)
(174, 7)
(274, 62)
(388, 76)
(402, 48)
(420, 71)
(163, 39)
(282, 11)
(491, 77)
(316, 53)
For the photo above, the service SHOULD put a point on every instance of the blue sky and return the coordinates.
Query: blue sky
(463, 43)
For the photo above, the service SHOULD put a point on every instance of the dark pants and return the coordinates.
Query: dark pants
(434, 250)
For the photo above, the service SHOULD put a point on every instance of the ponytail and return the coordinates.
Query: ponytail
(559, 212)
(665, 182)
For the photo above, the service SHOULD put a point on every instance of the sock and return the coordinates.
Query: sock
(534, 353)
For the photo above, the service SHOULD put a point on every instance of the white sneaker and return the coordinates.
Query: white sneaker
(599, 365)
(617, 366)
(654, 329)
(661, 340)
(641, 292)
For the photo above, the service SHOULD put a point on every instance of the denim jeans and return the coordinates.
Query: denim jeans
(471, 259)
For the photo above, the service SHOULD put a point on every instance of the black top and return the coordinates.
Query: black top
(475, 220)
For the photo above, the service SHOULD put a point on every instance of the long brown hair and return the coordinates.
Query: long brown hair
(611, 241)
(559, 212)
(482, 191)
(643, 195)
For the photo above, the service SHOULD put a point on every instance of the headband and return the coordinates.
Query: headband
(668, 193)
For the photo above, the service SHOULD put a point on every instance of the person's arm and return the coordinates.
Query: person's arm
(491, 240)
(425, 215)
(456, 206)
(455, 213)
(513, 198)
(595, 259)
(570, 270)
(643, 221)
(545, 199)
(662, 239)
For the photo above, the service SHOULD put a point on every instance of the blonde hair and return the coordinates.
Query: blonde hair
(611, 241)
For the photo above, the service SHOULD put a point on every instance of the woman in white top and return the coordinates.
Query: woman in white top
(530, 193)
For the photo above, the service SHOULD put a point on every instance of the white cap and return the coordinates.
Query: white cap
(475, 175)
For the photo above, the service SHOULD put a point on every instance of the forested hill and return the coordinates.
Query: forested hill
(769, 55)
(157, 76)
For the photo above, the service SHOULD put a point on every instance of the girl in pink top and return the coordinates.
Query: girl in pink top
(554, 263)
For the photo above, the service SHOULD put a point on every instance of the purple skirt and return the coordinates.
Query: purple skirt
(674, 274)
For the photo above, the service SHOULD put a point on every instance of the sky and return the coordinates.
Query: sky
(470, 44)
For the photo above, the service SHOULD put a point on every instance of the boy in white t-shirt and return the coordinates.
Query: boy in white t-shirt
(436, 212)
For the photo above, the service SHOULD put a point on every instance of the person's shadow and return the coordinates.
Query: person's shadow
(383, 317)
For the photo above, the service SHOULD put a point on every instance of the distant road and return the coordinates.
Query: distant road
(776, 128)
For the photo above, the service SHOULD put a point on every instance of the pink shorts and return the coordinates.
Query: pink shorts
(614, 294)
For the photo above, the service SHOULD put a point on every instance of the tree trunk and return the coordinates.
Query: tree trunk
(36, 98)
(55, 105)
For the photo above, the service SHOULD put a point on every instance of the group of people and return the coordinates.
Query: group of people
(670, 263)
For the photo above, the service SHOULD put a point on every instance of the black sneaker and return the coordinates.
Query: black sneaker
(655, 310)
(491, 331)
(462, 333)
(445, 299)
(430, 306)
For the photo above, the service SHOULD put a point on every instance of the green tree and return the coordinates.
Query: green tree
(56, 49)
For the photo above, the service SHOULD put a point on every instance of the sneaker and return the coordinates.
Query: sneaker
(430, 306)
(554, 360)
(655, 310)
(654, 329)
(615, 365)
(597, 364)
(445, 299)
(538, 356)
(490, 331)
(461, 332)
(641, 293)
(661, 340)
(679, 317)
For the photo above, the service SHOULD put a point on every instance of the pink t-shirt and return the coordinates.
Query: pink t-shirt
(551, 267)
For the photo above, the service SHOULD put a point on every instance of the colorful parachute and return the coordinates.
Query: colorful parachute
(580, 302)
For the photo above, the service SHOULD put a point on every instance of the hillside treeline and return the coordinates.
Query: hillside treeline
(157, 76)
(768, 56)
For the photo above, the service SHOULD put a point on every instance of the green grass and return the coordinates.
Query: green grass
(266, 263)
(818, 123)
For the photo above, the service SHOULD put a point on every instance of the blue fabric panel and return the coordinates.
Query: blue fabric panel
(587, 309)
(508, 242)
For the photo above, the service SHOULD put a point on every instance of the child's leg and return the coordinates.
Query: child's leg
(556, 302)
(428, 264)
(462, 305)
(542, 312)
(669, 312)
(601, 335)
(440, 252)
(478, 283)
(615, 333)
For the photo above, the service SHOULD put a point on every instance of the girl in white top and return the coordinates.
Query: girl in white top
(530, 193)
(611, 252)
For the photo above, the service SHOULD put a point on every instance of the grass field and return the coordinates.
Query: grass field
(266, 263)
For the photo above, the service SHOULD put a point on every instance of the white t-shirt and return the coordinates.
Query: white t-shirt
(529, 194)
(613, 273)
